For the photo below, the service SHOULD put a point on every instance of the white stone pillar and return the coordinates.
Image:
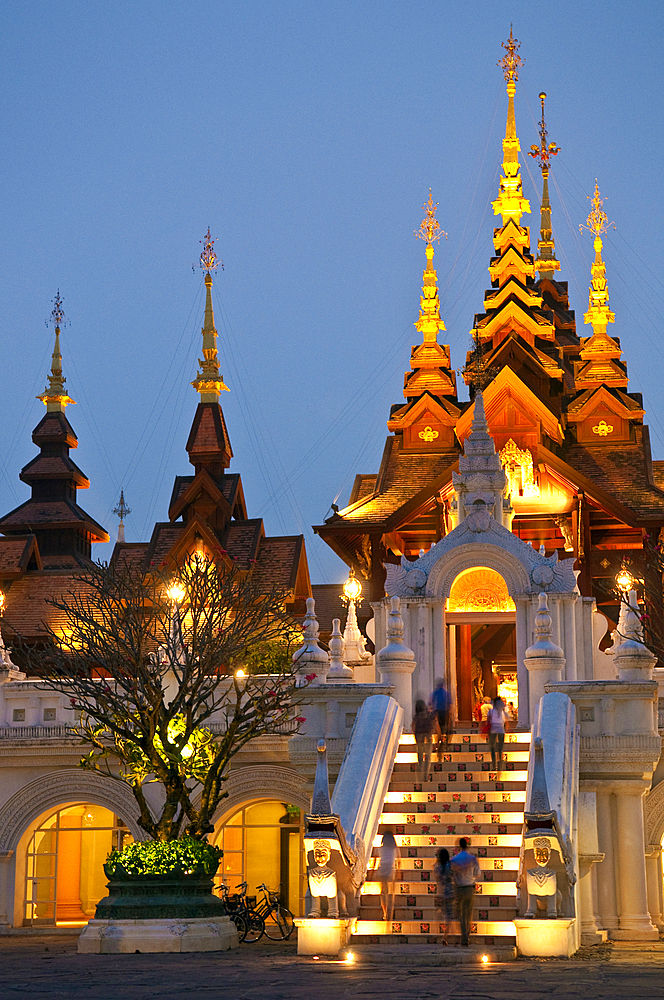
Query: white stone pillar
(396, 663)
(654, 879)
(310, 659)
(339, 671)
(6, 894)
(635, 923)
(590, 930)
(544, 660)
(606, 873)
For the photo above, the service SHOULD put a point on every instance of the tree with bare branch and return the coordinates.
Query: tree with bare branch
(152, 668)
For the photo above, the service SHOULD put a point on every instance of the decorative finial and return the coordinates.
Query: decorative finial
(429, 323)
(597, 222)
(545, 262)
(430, 228)
(208, 259)
(543, 153)
(477, 372)
(510, 203)
(511, 61)
(55, 396)
(599, 314)
(58, 313)
(121, 511)
(208, 382)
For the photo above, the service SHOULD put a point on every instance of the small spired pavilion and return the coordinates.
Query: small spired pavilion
(207, 510)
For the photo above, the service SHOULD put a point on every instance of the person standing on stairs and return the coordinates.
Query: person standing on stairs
(496, 722)
(440, 704)
(465, 872)
(423, 722)
(443, 874)
(390, 856)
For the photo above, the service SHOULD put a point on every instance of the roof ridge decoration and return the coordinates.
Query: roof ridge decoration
(209, 382)
(55, 397)
(545, 262)
(430, 361)
(599, 315)
(510, 203)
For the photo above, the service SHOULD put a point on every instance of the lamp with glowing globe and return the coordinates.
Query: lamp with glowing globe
(354, 651)
(624, 580)
(176, 592)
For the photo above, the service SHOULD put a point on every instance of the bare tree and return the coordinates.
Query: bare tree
(148, 661)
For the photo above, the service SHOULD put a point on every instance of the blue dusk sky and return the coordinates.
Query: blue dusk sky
(307, 137)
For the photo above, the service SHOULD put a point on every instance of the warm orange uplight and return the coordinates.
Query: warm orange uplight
(176, 592)
(240, 674)
(485, 959)
(2, 601)
(350, 958)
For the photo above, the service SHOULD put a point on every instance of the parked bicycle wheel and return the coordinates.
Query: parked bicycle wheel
(241, 925)
(279, 923)
(255, 926)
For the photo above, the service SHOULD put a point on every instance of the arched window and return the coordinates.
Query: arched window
(262, 842)
(64, 873)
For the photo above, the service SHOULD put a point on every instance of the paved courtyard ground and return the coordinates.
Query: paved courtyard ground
(48, 968)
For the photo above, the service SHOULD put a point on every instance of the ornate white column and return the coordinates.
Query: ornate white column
(654, 879)
(6, 896)
(606, 873)
(396, 663)
(635, 923)
(544, 660)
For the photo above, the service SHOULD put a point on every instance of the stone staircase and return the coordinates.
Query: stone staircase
(463, 798)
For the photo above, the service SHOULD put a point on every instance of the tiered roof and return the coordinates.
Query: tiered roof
(570, 434)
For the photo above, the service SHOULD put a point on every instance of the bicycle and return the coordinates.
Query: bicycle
(249, 923)
(277, 918)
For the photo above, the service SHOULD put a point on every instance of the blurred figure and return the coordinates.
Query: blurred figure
(465, 872)
(446, 889)
(388, 866)
(485, 708)
(496, 721)
(441, 706)
(423, 729)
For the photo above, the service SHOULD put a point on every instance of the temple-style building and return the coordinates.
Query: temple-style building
(503, 547)
(570, 435)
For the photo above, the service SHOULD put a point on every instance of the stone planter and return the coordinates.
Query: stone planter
(158, 913)
(137, 897)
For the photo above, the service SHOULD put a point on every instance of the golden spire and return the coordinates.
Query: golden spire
(510, 203)
(429, 322)
(599, 314)
(208, 382)
(55, 396)
(545, 262)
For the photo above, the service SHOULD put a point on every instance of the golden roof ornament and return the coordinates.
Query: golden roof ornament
(55, 396)
(510, 203)
(545, 261)
(430, 227)
(599, 314)
(511, 61)
(208, 382)
(429, 322)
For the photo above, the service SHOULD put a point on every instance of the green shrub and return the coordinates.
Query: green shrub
(184, 856)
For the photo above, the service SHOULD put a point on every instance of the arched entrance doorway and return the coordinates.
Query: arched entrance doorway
(262, 842)
(480, 618)
(63, 854)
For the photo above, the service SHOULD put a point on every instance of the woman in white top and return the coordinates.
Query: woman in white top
(496, 720)
(390, 856)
